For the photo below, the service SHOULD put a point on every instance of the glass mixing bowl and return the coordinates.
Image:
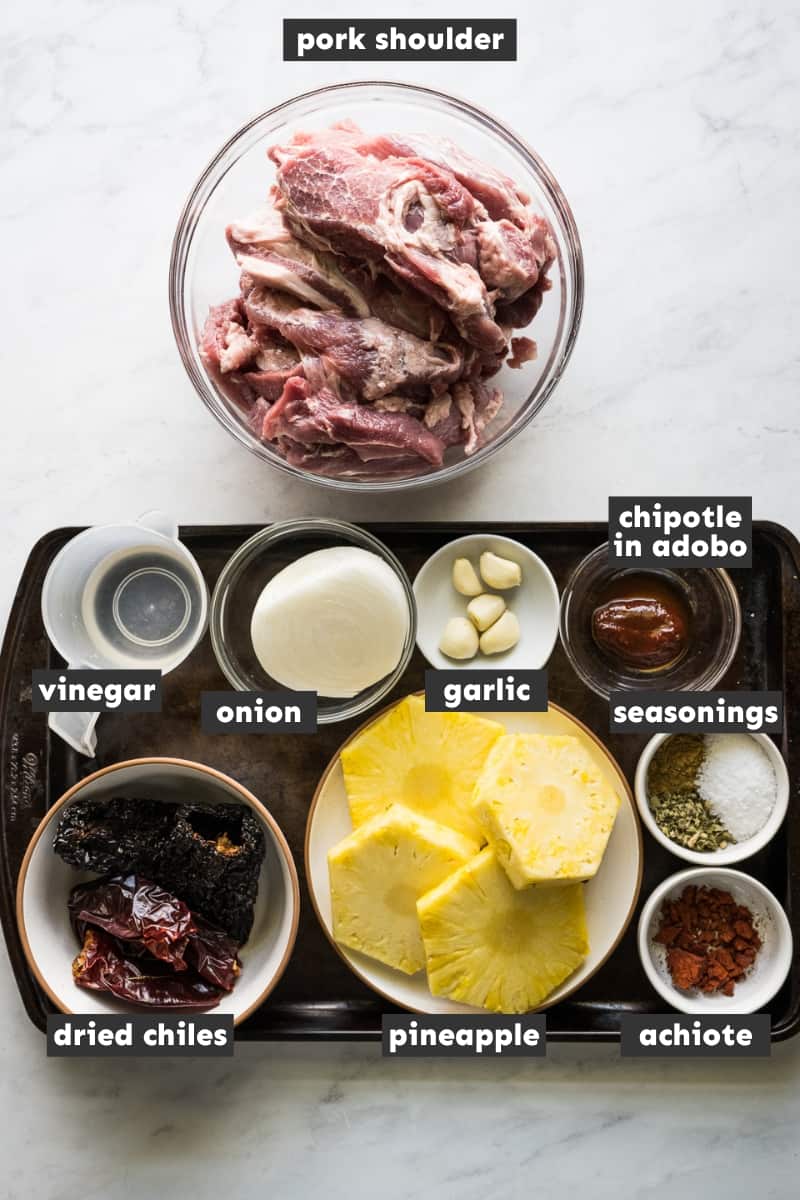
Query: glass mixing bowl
(203, 271)
(247, 573)
(716, 625)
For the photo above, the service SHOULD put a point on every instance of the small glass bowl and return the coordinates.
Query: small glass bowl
(716, 627)
(203, 272)
(248, 572)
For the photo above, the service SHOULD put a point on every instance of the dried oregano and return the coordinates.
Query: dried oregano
(675, 803)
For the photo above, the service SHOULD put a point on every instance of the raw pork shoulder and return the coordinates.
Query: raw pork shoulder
(375, 358)
(405, 213)
(311, 418)
(381, 282)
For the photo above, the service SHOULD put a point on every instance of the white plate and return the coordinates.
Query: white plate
(535, 603)
(45, 882)
(610, 896)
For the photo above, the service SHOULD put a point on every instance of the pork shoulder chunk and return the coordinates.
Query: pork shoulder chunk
(372, 356)
(311, 418)
(409, 214)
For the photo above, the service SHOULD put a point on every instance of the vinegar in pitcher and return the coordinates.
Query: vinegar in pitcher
(139, 606)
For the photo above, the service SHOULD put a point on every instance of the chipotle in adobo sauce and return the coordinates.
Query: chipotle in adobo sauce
(641, 621)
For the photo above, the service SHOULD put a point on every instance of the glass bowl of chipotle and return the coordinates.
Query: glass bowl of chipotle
(659, 629)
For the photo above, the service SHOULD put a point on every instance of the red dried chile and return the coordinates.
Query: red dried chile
(213, 955)
(134, 910)
(144, 945)
(102, 966)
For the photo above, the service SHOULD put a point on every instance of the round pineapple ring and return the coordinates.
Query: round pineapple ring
(609, 897)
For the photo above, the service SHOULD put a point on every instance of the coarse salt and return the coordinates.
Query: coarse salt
(737, 782)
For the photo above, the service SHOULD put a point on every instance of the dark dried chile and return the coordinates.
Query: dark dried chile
(213, 859)
(102, 966)
(210, 855)
(113, 837)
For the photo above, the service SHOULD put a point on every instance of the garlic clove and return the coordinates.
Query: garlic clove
(500, 573)
(484, 610)
(460, 639)
(465, 578)
(501, 636)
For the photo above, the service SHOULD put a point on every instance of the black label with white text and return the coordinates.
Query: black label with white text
(680, 531)
(258, 712)
(95, 691)
(79, 1035)
(373, 40)
(479, 691)
(673, 1035)
(696, 712)
(484, 1036)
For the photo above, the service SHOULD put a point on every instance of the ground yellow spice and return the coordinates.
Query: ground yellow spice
(676, 763)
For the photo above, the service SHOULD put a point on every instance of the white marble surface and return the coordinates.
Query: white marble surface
(673, 131)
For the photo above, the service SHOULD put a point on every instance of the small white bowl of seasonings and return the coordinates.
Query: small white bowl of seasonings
(712, 799)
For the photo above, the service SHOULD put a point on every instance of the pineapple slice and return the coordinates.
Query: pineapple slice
(546, 808)
(378, 873)
(490, 945)
(427, 761)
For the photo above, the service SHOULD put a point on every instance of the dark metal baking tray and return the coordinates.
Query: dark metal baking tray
(318, 998)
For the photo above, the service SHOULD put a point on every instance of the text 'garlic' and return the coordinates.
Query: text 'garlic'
(333, 622)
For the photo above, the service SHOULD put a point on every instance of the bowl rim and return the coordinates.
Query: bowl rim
(667, 991)
(219, 776)
(706, 682)
(331, 766)
(547, 575)
(570, 324)
(738, 851)
(274, 533)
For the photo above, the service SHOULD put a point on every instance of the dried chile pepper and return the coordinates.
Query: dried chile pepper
(144, 945)
(135, 910)
(641, 621)
(210, 855)
(639, 632)
(102, 966)
(115, 836)
(213, 859)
